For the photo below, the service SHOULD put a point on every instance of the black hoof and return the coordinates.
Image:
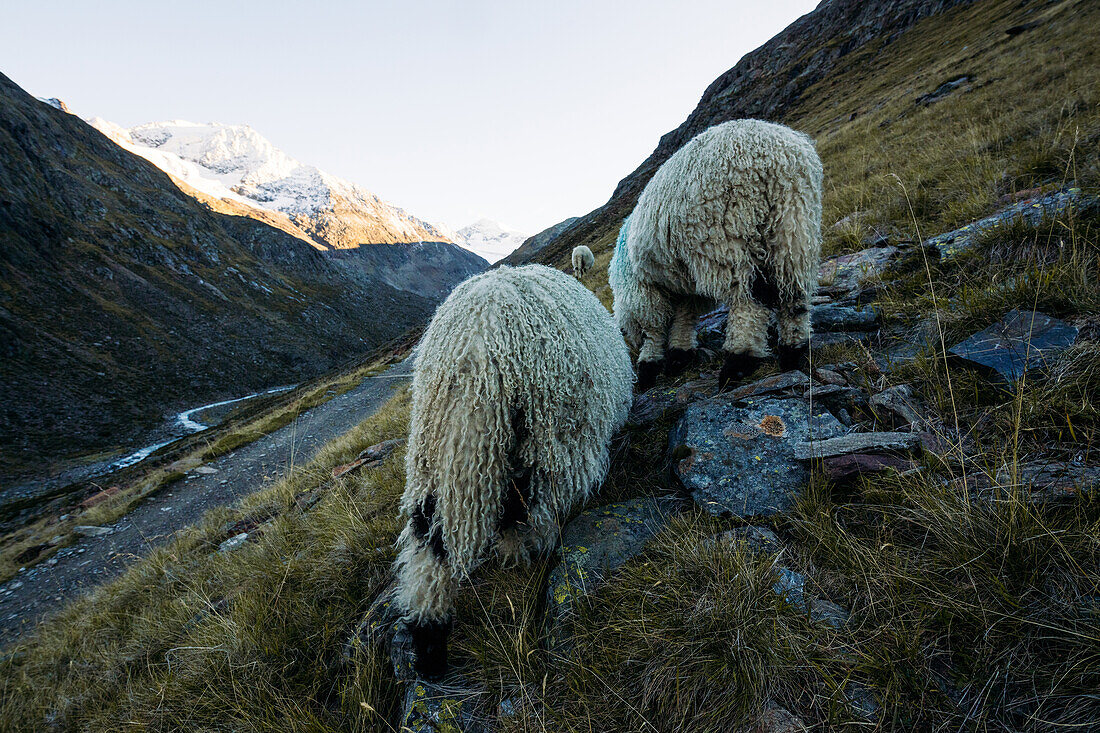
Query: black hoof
(429, 641)
(736, 367)
(647, 375)
(678, 360)
(794, 357)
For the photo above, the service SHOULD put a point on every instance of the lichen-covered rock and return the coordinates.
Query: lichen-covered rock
(778, 720)
(821, 339)
(1041, 482)
(738, 458)
(595, 543)
(842, 468)
(752, 539)
(789, 585)
(369, 457)
(1032, 211)
(1020, 341)
(432, 708)
(378, 628)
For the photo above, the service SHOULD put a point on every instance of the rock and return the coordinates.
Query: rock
(943, 90)
(791, 587)
(770, 385)
(370, 457)
(381, 451)
(828, 613)
(837, 398)
(697, 389)
(595, 543)
(376, 627)
(843, 318)
(434, 708)
(204, 470)
(828, 376)
(1020, 341)
(1032, 211)
(778, 720)
(751, 539)
(89, 530)
(653, 405)
(897, 401)
(739, 459)
(841, 468)
(99, 497)
(856, 443)
(819, 340)
(844, 273)
(861, 700)
(1042, 482)
(233, 542)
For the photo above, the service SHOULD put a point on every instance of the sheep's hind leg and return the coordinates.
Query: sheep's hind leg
(655, 330)
(746, 344)
(794, 334)
(426, 591)
(681, 338)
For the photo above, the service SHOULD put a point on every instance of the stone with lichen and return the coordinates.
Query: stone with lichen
(739, 457)
(595, 543)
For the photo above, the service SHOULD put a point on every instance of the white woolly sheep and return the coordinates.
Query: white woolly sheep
(519, 384)
(733, 216)
(583, 259)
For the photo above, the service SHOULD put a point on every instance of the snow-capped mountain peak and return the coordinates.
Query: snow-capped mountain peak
(490, 239)
(236, 162)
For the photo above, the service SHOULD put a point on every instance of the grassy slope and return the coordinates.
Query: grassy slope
(966, 615)
(1031, 116)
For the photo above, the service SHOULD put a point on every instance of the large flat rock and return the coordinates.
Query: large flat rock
(1020, 341)
(739, 458)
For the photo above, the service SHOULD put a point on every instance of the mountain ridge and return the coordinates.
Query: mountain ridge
(128, 297)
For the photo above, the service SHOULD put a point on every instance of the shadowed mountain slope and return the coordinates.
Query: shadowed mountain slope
(122, 297)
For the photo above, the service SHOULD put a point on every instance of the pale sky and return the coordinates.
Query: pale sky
(523, 112)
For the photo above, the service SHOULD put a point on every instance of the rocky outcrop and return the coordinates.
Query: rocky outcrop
(1032, 211)
(428, 269)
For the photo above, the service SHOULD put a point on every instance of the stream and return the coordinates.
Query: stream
(188, 422)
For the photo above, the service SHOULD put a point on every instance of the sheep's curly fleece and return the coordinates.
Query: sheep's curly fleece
(583, 259)
(737, 207)
(526, 347)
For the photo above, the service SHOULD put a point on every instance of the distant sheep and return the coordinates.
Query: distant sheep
(520, 382)
(733, 216)
(583, 260)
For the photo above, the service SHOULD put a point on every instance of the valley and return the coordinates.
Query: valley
(900, 534)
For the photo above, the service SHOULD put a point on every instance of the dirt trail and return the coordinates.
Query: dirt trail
(39, 592)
